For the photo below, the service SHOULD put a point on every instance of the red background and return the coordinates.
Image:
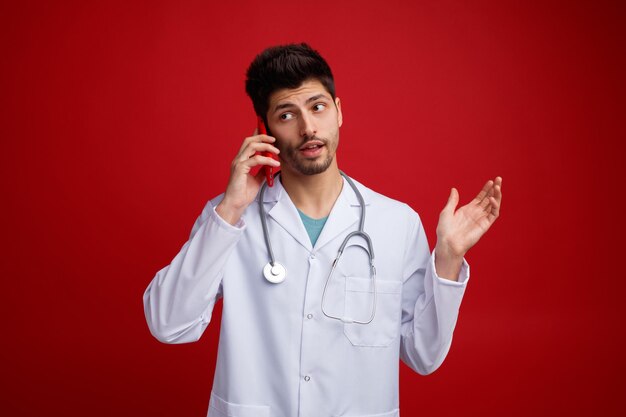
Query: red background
(119, 120)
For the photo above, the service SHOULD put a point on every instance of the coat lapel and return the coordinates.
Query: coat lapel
(345, 214)
(284, 212)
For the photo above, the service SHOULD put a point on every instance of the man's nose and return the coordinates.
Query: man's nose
(307, 126)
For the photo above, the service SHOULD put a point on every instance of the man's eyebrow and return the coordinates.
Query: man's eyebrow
(283, 106)
(315, 98)
(309, 100)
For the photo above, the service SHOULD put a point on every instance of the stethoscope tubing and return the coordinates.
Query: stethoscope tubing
(275, 272)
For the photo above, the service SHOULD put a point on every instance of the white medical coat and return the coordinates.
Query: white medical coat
(278, 354)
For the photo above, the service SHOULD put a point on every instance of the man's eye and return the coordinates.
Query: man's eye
(319, 107)
(286, 116)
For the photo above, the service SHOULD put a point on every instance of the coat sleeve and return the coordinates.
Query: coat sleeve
(430, 305)
(179, 300)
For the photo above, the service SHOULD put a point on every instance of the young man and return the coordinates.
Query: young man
(327, 340)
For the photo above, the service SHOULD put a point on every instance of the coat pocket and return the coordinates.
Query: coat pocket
(218, 407)
(358, 306)
(392, 413)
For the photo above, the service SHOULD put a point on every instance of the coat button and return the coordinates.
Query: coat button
(307, 378)
(309, 316)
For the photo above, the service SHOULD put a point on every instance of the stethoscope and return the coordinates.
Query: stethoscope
(275, 273)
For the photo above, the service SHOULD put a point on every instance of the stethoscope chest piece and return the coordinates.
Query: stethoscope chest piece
(274, 274)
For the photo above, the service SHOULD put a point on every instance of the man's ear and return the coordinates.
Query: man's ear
(339, 115)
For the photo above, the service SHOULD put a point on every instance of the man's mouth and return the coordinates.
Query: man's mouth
(312, 148)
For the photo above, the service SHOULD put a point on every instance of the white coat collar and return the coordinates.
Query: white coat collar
(345, 213)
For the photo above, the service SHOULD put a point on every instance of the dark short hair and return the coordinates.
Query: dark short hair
(285, 66)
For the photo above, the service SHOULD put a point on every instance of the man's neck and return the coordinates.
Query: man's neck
(314, 195)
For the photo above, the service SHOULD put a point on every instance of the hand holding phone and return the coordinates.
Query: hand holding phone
(269, 171)
(244, 183)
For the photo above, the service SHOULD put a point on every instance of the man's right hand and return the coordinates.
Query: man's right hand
(242, 186)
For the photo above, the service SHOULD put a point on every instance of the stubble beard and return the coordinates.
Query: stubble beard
(305, 166)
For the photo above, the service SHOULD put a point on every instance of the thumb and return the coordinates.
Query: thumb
(453, 200)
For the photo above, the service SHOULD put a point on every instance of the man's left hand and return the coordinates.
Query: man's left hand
(459, 230)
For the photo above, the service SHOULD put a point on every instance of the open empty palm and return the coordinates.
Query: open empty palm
(461, 228)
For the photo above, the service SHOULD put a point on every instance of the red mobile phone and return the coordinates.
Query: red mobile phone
(269, 171)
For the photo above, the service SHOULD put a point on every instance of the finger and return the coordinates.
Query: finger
(255, 147)
(494, 210)
(453, 200)
(498, 189)
(483, 193)
(497, 193)
(260, 160)
(497, 198)
(485, 201)
(256, 138)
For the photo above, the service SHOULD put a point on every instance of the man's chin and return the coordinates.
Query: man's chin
(312, 167)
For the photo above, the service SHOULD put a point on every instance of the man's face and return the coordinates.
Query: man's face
(305, 122)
